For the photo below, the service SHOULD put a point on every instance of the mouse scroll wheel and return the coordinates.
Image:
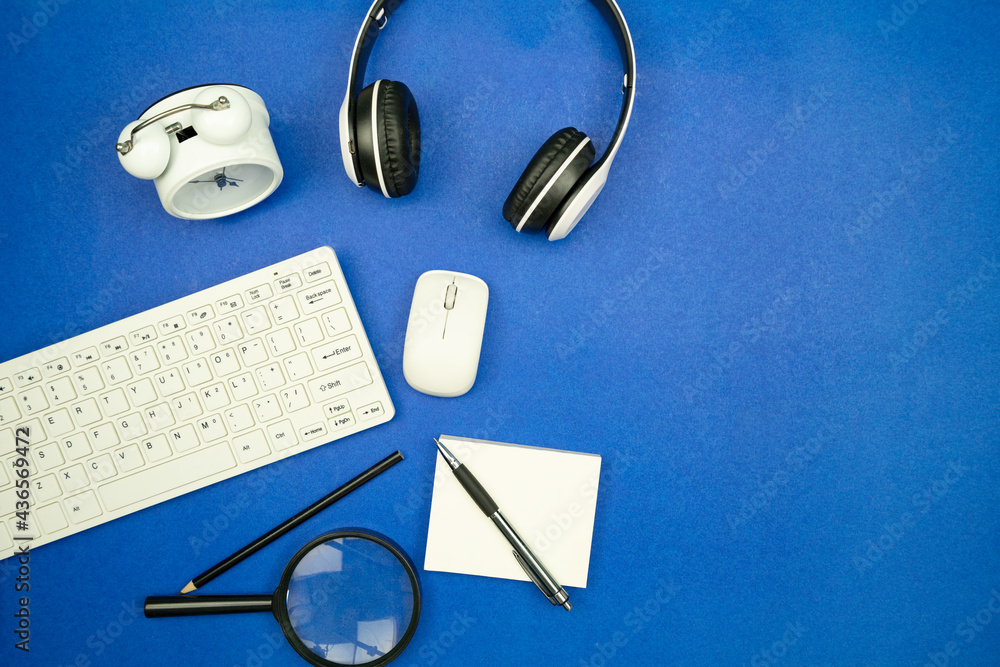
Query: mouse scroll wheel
(449, 296)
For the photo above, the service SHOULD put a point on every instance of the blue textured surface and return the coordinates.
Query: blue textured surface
(796, 402)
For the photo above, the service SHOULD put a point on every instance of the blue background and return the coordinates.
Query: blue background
(797, 405)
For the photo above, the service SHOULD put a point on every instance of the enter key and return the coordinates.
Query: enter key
(337, 352)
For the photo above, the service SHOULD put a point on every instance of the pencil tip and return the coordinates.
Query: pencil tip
(190, 587)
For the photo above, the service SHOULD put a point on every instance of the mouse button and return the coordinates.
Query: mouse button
(449, 296)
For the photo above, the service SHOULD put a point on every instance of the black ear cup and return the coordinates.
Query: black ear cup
(550, 175)
(388, 133)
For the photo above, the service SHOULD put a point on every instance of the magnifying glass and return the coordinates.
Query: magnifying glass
(350, 597)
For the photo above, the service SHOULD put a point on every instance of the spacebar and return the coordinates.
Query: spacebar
(166, 477)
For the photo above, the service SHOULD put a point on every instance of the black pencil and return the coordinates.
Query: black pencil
(278, 531)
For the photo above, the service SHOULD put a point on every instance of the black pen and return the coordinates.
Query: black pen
(526, 559)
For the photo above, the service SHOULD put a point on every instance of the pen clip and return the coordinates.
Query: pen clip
(531, 575)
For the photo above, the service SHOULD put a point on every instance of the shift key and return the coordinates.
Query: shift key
(171, 476)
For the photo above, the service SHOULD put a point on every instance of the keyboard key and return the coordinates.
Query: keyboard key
(312, 432)
(185, 407)
(47, 456)
(233, 302)
(294, 398)
(255, 320)
(259, 293)
(88, 380)
(319, 297)
(371, 411)
(339, 382)
(270, 377)
(171, 351)
(59, 391)
(224, 363)
(75, 446)
(8, 410)
(280, 342)
(342, 422)
(242, 387)
(267, 408)
(318, 272)
(5, 386)
(24, 529)
(140, 393)
(144, 335)
(30, 376)
(200, 314)
(283, 310)
(253, 352)
(113, 403)
(44, 488)
(308, 332)
(82, 507)
(101, 468)
(211, 428)
(32, 401)
(84, 356)
(287, 283)
(183, 438)
(36, 433)
(156, 448)
(282, 435)
(175, 323)
(55, 367)
(116, 371)
(73, 478)
(158, 417)
(197, 372)
(228, 330)
(114, 346)
(130, 427)
(144, 360)
(251, 446)
(297, 367)
(336, 353)
(169, 383)
(128, 458)
(169, 476)
(337, 408)
(51, 517)
(214, 397)
(86, 412)
(239, 418)
(5, 541)
(103, 436)
(58, 422)
(200, 340)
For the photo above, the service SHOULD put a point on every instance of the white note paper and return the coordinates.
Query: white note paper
(548, 495)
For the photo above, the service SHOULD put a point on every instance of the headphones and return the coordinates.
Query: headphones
(380, 139)
(207, 149)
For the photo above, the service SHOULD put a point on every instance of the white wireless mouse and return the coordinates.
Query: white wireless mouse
(444, 334)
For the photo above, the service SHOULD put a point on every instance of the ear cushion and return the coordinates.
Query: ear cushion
(543, 185)
(389, 138)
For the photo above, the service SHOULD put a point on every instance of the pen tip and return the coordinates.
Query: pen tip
(187, 589)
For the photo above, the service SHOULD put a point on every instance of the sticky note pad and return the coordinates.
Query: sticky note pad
(548, 495)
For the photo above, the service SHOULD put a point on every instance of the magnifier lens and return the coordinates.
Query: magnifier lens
(350, 600)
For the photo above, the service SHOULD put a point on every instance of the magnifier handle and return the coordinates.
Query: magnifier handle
(158, 606)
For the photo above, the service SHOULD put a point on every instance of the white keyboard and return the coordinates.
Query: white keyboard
(184, 395)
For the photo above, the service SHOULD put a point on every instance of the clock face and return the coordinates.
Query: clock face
(219, 191)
